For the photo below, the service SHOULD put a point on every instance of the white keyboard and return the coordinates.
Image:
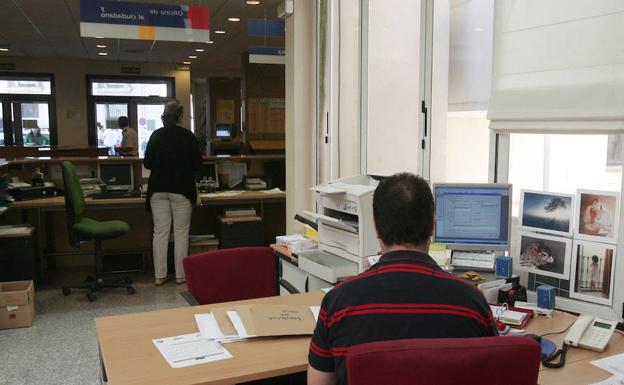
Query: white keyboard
(474, 260)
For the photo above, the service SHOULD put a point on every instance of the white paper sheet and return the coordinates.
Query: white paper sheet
(613, 380)
(209, 328)
(315, 311)
(190, 349)
(613, 364)
(238, 324)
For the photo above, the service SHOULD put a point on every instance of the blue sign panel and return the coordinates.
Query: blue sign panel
(275, 51)
(263, 27)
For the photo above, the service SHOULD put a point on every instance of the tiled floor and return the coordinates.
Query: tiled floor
(61, 346)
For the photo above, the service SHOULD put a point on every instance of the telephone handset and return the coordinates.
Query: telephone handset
(590, 333)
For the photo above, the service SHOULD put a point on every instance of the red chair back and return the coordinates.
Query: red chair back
(231, 274)
(507, 360)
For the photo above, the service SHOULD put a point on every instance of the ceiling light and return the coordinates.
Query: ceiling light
(220, 31)
(186, 62)
(233, 19)
(199, 50)
(192, 57)
(103, 53)
(101, 46)
(210, 42)
(4, 50)
(253, 2)
(99, 37)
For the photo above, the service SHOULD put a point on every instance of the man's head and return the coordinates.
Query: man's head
(404, 212)
(123, 122)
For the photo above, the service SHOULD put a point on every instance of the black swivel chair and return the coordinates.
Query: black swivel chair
(82, 230)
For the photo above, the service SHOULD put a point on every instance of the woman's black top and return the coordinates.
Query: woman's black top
(172, 155)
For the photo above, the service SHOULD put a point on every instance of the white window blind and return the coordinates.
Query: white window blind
(558, 66)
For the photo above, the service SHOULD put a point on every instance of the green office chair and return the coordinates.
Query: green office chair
(82, 230)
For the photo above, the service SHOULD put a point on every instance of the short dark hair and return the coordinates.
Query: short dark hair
(123, 121)
(403, 210)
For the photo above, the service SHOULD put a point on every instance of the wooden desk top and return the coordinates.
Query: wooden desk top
(226, 196)
(130, 357)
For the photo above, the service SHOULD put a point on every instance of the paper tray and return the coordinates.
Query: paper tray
(326, 266)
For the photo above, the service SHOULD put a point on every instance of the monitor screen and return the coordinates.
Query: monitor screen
(117, 175)
(223, 130)
(473, 217)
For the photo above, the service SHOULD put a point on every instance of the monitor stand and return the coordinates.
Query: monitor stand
(473, 260)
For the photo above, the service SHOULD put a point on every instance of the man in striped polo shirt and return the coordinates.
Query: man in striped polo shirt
(405, 295)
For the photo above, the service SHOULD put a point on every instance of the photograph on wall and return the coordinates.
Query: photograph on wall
(593, 266)
(545, 254)
(547, 212)
(597, 213)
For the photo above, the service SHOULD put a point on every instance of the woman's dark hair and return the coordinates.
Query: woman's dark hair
(173, 112)
(403, 210)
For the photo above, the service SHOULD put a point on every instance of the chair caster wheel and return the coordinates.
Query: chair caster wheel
(66, 291)
(130, 290)
(91, 297)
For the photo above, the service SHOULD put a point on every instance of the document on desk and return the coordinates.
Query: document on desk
(315, 312)
(613, 364)
(613, 380)
(190, 349)
(209, 328)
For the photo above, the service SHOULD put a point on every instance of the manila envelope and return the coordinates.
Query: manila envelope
(279, 320)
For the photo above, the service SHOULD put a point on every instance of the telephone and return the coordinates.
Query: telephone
(590, 333)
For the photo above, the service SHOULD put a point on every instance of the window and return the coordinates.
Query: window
(22, 86)
(109, 88)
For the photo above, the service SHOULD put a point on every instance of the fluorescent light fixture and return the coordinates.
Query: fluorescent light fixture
(4, 50)
(219, 31)
(99, 37)
(192, 57)
(103, 53)
(101, 46)
(253, 2)
(186, 62)
(199, 50)
(233, 19)
(210, 42)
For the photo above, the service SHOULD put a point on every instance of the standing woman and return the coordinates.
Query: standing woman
(172, 155)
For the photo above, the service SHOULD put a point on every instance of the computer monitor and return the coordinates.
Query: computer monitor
(473, 216)
(206, 171)
(116, 175)
(224, 130)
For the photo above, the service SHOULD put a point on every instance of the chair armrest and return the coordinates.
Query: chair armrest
(189, 298)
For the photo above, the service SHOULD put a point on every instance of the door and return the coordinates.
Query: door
(30, 123)
(106, 116)
(147, 119)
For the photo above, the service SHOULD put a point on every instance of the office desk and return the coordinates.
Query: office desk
(129, 356)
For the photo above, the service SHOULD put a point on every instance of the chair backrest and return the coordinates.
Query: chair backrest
(231, 274)
(74, 199)
(508, 360)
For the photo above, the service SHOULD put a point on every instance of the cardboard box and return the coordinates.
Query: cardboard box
(17, 304)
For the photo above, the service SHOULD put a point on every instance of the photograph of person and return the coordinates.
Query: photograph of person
(597, 213)
(545, 254)
(592, 269)
(547, 212)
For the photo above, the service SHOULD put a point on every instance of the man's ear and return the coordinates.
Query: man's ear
(433, 226)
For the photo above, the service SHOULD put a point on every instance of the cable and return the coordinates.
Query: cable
(553, 333)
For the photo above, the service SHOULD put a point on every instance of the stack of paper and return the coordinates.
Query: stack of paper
(190, 349)
(614, 365)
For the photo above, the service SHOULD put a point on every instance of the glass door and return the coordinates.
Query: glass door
(106, 122)
(31, 123)
(148, 120)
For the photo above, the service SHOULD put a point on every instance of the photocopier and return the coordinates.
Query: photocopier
(346, 230)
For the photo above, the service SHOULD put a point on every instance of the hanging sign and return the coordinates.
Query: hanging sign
(125, 20)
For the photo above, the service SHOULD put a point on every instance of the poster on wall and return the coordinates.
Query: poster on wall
(144, 21)
(598, 214)
(547, 212)
(545, 254)
(593, 266)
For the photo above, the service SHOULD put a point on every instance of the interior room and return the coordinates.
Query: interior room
(311, 192)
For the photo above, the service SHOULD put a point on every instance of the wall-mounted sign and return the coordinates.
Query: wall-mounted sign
(125, 20)
(130, 70)
(267, 55)
(264, 27)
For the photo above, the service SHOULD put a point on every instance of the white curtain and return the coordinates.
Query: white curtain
(558, 66)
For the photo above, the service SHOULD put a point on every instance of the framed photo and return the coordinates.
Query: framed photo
(593, 266)
(547, 212)
(598, 216)
(545, 254)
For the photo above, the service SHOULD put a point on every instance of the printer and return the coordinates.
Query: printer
(346, 230)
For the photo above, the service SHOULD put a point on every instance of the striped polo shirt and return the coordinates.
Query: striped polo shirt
(405, 295)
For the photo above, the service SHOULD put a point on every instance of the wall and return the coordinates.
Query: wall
(224, 88)
(71, 94)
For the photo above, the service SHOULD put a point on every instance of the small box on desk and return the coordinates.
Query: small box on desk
(504, 266)
(240, 231)
(546, 296)
(17, 304)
